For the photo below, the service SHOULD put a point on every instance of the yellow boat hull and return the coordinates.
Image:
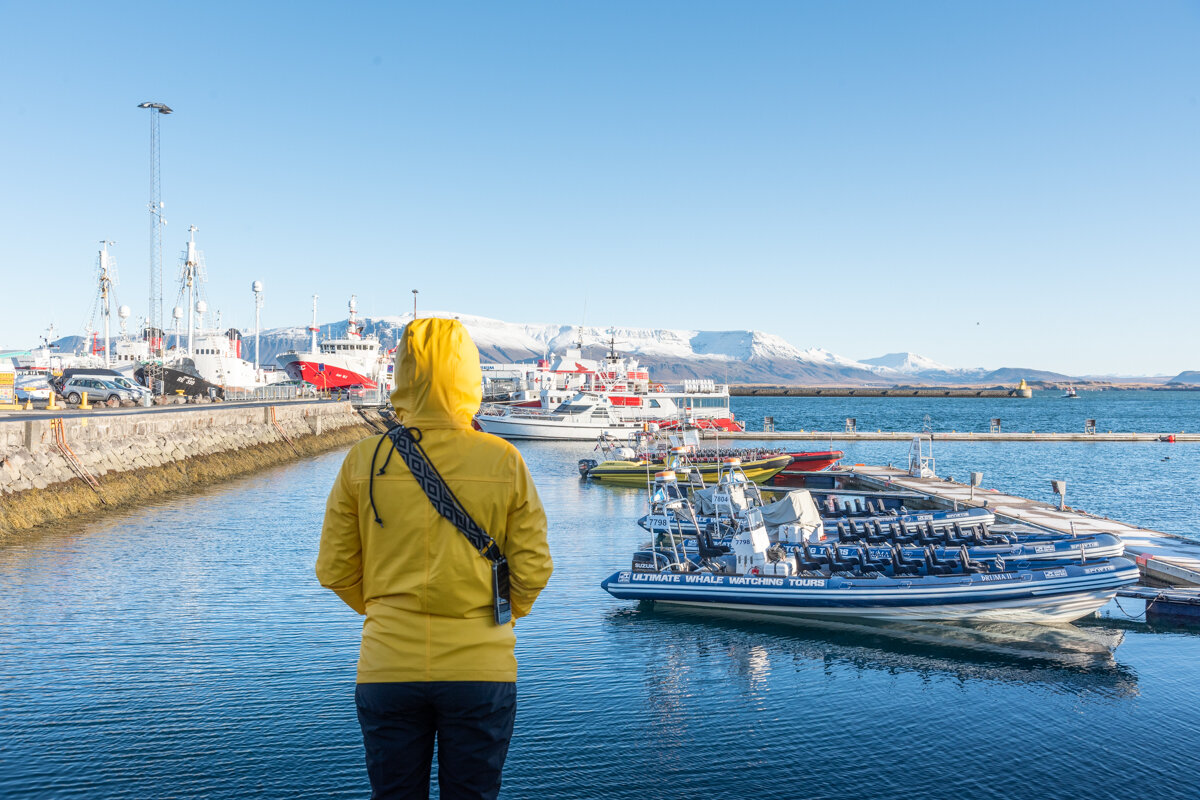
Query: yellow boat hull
(638, 473)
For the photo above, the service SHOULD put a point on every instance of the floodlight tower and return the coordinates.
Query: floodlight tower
(156, 223)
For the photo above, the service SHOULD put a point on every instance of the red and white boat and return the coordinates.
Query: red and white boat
(354, 360)
(625, 384)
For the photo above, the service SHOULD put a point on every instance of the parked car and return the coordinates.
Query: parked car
(129, 386)
(99, 391)
(105, 375)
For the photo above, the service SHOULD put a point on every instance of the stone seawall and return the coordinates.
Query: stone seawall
(137, 456)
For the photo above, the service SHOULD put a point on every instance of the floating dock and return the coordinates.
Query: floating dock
(1164, 559)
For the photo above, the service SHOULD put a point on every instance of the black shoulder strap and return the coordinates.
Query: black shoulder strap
(407, 443)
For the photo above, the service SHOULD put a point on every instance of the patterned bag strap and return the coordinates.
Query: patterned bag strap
(407, 442)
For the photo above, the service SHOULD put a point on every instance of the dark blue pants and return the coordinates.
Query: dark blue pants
(472, 721)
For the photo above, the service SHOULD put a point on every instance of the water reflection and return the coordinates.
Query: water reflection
(1063, 658)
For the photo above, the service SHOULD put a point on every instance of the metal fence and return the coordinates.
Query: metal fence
(272, 392)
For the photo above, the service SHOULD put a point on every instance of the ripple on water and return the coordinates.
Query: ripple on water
(185, 650)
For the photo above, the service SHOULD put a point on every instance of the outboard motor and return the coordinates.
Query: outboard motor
(586, 465)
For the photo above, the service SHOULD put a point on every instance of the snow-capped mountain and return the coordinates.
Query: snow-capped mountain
(725, 356)
(734, 356)
(907, 363)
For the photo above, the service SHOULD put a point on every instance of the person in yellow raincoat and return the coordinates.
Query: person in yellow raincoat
(433, 661)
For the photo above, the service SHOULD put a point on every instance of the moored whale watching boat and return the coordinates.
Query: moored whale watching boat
(576, 398)
(634, 472)
(632, 461)
(752, 575)
(797, 519)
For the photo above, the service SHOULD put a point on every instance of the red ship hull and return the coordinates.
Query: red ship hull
(324, 376)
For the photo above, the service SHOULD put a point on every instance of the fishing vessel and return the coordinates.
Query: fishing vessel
(753, 576)
(1070, 393)
(339, 363)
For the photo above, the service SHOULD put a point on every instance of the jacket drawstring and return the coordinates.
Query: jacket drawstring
(412, 433)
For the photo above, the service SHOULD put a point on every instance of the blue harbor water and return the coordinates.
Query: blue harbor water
(184, 650)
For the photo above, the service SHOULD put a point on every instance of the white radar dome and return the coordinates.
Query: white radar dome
(177, 313)
(257, 286)
(201, 306)
(123, 312)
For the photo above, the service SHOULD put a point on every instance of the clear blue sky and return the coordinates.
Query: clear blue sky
(1003, 184)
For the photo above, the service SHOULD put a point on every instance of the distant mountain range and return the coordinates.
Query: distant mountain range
(726, 356)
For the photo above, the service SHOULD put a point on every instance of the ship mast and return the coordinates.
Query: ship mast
(189, 277)
(105, 288)
(313, 329)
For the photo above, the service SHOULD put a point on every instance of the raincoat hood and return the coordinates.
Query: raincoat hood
(438, 380)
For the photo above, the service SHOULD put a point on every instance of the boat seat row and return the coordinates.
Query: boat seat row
(952, 534)
(856, 507)
(831, 559)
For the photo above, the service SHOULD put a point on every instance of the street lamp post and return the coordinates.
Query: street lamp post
(414, 291)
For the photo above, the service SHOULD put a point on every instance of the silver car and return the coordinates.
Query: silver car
(98, 390)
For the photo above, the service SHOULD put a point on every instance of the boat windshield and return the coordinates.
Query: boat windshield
(567, 408)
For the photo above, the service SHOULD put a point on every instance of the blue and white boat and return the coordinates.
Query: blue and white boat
(752, 575)
(1048, 547)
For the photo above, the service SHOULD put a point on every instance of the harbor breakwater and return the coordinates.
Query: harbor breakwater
(1022, 392)
(57, 468)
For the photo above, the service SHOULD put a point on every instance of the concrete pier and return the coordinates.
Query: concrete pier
(950, 436)
(58, 467)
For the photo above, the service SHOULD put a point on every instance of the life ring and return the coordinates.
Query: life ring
(660, 388)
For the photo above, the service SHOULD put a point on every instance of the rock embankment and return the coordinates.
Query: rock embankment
(56, 469)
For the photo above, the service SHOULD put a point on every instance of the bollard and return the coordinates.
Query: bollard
(29, 402)
(51, 406)
(83, 403)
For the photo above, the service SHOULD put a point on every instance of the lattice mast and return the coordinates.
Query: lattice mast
(154, 334)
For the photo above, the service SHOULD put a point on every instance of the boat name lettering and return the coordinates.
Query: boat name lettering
(748, 581)
(702, 579)
(1055, 573)
(1094, 570)
(1003, 576)
(655, 577)
(796, 582)
(1043, 548)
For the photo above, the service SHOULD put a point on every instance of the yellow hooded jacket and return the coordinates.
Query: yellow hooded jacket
(426, 593)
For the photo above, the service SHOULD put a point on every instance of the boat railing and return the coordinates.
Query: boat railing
(524, 412)
(691, 387)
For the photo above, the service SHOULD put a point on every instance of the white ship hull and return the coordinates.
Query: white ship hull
(549, 429)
